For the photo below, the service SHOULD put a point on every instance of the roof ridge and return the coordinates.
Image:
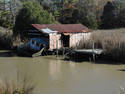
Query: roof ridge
(63, 28)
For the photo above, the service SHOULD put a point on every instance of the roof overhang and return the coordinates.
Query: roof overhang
(61, 28)
(48, 31)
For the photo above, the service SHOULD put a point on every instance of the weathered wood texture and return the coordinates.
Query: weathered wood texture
(54, 41)
(75, 38)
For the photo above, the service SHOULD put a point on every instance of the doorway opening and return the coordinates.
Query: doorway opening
(65, 40)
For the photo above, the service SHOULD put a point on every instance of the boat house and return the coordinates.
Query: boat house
(60, 35)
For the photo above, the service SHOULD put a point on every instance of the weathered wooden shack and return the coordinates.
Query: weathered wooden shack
(60, 35)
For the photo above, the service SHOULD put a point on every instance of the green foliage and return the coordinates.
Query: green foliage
(70, 1)
(114, 15)
(87, 14)
(6, 19)
(90, 21)
(109, 16)
(120, 7)
(5, 15)
(31, 13)
(69, 16)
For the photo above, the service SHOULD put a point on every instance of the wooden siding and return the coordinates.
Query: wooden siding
(54, 41)
(75, 38)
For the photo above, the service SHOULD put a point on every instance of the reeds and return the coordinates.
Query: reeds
(21, 87)
(5, 38)
(111, 41)
(122, 90)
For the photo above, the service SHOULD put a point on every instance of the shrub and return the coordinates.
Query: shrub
(31, 13)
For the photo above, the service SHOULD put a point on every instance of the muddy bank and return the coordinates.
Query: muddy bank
(7, 53)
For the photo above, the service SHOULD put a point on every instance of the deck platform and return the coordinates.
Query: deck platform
(90, 51)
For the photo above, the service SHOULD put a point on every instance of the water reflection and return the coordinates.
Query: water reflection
(55, 69)
(54, 76)
(72, 64)
(122, 70)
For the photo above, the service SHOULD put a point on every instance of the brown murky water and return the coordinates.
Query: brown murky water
(55, 76)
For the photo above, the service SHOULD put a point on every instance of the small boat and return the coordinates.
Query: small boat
(35, 45)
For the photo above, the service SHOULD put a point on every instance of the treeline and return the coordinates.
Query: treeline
(96, 14)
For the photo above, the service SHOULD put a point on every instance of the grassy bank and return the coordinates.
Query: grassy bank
(111, 41)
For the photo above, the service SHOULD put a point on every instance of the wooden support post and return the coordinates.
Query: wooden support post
(63, 52)
(56, 48)
(56, 52)
(93, 47)
(119, 46)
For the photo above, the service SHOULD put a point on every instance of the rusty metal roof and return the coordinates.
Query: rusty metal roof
(63, 28)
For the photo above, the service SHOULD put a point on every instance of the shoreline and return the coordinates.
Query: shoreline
(12, 53)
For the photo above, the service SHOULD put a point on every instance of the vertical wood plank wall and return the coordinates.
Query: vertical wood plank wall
(75, 38)
(55, 41)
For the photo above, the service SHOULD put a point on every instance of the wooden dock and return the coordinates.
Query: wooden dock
(90, 51)
(84, 54)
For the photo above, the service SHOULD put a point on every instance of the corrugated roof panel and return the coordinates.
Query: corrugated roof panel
(48, 31)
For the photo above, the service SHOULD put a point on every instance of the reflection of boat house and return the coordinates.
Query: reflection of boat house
(68, 35)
